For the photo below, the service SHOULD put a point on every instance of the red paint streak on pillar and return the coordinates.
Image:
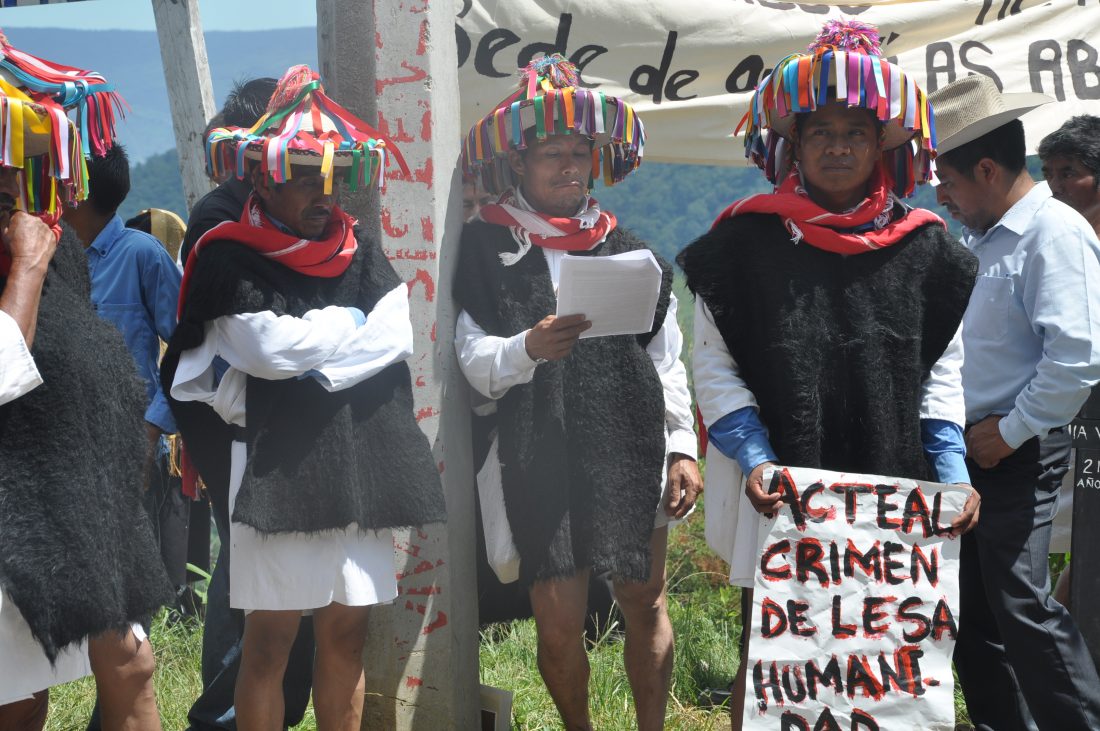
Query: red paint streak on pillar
(412, 255)
(420, 382)
(421, 534)
(433, 332)
(425, 590)
(422, 43)
(411, 682)
(400, 136)
(377, 40)
(426, 413)
(427, 230)
(441, 466)
(422, 276)
(392, 231)
(421, 175)
(416, 74)
(426, 126)
(440, 621)
(418, 569)
(411, 549)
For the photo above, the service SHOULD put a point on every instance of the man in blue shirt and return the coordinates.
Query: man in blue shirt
(1031, 348)
(135, 285)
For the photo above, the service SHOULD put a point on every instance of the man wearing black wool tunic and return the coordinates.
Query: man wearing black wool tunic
(288, 382)
(588, 430)
(79, 570)
(828, 312)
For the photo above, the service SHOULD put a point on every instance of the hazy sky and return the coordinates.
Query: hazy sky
(138, 15)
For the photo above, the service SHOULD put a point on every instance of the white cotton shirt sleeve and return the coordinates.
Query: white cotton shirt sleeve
(18, 373)
(664, 349)
(942, 391)
(491, 364)
(719, 388)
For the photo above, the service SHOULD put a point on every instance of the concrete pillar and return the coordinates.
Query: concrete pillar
(421, 659)
(190, 96)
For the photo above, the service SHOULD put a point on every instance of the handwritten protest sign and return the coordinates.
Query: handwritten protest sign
(855, 608)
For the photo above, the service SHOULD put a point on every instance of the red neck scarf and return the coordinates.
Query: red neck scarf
(325, 257)
(53, 220)
(576, 233)
(805, 220)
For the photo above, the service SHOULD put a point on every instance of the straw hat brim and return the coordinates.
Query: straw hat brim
(973, 106)
(1017, 105)
(341, 158)
(37, 126)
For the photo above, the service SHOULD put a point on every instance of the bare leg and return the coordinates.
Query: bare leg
(648, 651)
(559, 607)
(258, 697)
(338, 682)
(28, 715)
(123, 669)
(737, 699)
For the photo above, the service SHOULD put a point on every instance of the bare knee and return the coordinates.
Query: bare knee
(267, 644)
(341, 630)
(642, 602)
(122, 660)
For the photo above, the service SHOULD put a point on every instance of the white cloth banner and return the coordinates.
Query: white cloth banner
(689, 66)
(856, 605)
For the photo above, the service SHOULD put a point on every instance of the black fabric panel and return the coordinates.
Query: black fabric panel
(835, 348)
(77, 555)
(582, 445)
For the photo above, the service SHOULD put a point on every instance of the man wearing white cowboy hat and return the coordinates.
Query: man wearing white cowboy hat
(288, 381)
(827, 311)
(1031, 339)
(78, 566)
(588, 429)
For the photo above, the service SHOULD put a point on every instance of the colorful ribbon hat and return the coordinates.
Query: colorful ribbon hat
(843, 65)
(303, 126)
(551, 101)
(37, 135)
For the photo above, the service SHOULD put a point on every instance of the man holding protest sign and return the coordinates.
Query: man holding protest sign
(842, 354)
(1031, 337)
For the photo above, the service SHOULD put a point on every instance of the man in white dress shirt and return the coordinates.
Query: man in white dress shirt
(1031, 340)
(589, 431)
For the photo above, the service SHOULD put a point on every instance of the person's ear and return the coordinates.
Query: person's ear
(516, 162)
(986, 170)
(261, 183)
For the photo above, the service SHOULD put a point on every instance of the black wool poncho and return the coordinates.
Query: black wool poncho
(316, 460)
(835, 348)
(77, 555)
(582, 446)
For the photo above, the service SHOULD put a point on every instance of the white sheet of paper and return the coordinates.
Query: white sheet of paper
(617, 294)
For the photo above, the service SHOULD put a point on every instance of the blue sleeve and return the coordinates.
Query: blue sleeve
(159, 415)
(357, 315)
(740, 435)
(160, 289)
(945, 449)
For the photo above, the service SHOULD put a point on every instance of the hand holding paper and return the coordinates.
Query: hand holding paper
(618, 294)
